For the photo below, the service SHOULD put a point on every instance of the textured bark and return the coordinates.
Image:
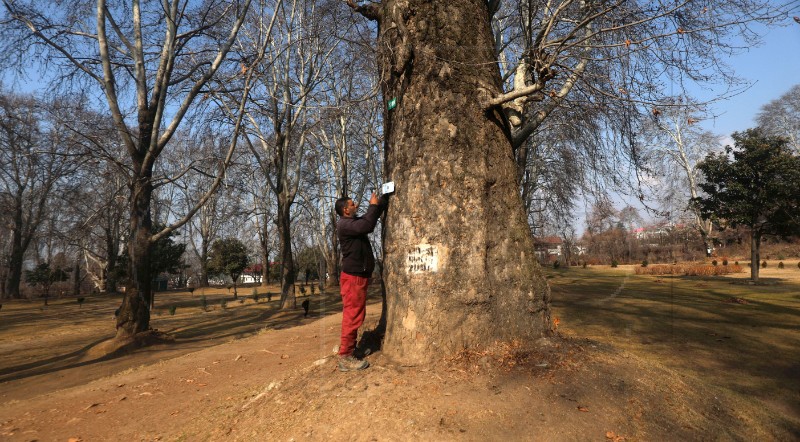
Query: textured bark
(456, 189)
(755, 254)
(134, 314)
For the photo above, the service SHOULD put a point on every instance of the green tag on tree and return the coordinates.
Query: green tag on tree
(392, 103)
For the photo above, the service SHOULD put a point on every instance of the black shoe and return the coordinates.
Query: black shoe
(361, 353)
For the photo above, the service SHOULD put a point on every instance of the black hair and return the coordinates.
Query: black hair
(341, 203)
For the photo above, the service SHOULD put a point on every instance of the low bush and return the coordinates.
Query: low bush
(780, 265)
(614, 263)
(688, 269)
(764, 264)
(644, 263)
(714, 262)
(172, 309)
(556, 264)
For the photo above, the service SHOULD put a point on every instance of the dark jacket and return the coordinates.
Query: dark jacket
(357, 256)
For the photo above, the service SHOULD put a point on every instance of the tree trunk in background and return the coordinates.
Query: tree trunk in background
(460, 271)
(755, 254)
(288, 298)
(332, 259)
(264, 243)
(204, 265)
(15, 265)
(76, 278)
(112, 248)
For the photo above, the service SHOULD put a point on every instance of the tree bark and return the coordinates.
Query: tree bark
(755, 254)
(288, 298)
(15, 266)
(460, 269)
(134, 314)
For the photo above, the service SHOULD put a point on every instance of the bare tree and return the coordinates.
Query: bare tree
(151, 61)
(294, 64)
(781, 117)
(674, 145)
(36, 155)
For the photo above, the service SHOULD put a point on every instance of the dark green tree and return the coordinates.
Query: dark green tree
(45, 277)
(756, 184)
(166, 257)
(228, 257)
(307, 260)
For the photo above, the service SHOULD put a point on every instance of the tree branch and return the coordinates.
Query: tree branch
(371, 11)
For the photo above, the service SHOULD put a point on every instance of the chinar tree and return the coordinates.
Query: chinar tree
(459, 265)
(753, 184)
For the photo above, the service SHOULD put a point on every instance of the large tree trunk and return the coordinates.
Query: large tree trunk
(134, 315)
(460, 269)
(755, 254)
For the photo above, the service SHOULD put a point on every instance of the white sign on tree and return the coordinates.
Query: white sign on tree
(423, 258)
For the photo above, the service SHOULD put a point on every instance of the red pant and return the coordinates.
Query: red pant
(354, 308)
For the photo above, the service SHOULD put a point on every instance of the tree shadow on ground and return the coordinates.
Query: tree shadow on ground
(738, 336)
(190, 331)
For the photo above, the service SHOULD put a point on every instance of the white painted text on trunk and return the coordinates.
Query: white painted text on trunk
(422, 259)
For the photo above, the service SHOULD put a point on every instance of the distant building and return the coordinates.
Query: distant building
(548, 248)
(251, 275)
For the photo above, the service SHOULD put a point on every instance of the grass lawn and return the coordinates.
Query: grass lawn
(741, 337)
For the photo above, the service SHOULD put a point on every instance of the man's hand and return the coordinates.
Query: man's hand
(373, 199)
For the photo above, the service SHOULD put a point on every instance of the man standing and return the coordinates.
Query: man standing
(357, 266)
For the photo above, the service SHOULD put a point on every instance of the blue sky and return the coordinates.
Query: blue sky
(773, 68)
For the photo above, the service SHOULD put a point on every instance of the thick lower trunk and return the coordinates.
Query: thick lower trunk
(755, 254)
(134, 314)
(460, 269)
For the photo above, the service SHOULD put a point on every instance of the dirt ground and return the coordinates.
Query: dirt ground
(251, 372)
